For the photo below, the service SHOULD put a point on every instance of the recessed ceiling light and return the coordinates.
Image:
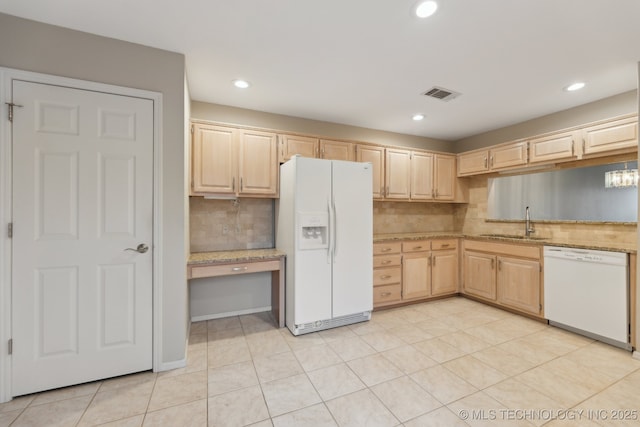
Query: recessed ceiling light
(242, 84)
(418, 117)
(426, 8)
(574, 86)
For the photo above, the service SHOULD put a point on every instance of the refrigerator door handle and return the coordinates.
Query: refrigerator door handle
(335, 231)
(330, 242)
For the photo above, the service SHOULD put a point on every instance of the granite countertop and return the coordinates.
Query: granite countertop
(536, 240)
(377, 238)
(234, 256)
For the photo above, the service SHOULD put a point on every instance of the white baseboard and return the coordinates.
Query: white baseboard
(636, 354)
(229, 314)
(175, 364)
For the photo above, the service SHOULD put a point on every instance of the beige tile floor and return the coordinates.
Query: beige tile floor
(451, 362)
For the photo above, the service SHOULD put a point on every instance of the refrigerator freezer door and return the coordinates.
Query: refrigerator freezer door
(311, 279)
(352, 237)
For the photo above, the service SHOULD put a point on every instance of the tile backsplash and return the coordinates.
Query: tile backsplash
(222, 225)
(249, 223)
(406, 217)
(471, 218)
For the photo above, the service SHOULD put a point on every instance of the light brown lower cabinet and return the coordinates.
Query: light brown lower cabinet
(479, 274)
(414, 270)
(505, 274)
(387, 273)
(416, 275)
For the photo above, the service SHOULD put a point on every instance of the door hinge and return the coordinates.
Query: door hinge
(10, 345)
(10, 230)
(11, 105)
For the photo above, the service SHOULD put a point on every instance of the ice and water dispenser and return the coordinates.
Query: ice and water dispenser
(313, 230)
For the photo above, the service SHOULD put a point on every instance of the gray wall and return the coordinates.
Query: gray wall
(279, 122)
(616, 105)
(638, 258)
(31, 46)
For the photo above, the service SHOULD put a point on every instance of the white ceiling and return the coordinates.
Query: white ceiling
(366, 62)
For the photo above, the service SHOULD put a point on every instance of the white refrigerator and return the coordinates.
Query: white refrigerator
(325, 227)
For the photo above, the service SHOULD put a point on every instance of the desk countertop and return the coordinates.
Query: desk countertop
(245, 255)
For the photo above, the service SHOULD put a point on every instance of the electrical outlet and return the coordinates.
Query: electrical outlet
(225, 229)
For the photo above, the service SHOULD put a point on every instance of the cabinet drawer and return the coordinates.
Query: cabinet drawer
(386, 293)
(438, 245)
(387, 248)
(387, 261)
(416, 246)
(195, 272)
(384, 276)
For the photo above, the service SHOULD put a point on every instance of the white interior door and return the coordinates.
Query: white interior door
(82, 194)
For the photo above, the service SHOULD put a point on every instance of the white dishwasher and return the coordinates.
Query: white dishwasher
(587, 291)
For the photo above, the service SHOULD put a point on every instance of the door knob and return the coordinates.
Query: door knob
(142, 248)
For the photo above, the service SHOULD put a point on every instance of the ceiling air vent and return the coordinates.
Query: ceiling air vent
(441, 93)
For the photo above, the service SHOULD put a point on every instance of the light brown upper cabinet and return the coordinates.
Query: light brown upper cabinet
(554, 148)
(444, 177)
(606, 138)
(496, 158)
(336, 150)
(432, 176)
(613, 137)
(473, 162)
(290, 145)
(214, 164)
(374, 155)
(397, 174)
(258, 164)
(508, 155)
(233, 162)
(422, 168)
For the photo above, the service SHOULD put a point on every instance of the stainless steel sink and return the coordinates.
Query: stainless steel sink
(512, 236)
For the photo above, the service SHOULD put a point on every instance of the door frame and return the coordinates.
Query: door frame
(7, 75)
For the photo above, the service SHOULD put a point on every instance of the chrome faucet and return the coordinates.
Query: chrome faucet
(528, 227)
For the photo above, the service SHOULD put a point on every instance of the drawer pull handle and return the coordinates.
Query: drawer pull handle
(415, 248)
(444, 245)
(386, 261)
(385, 294)
(239, 268)
(385, 277)
(385, 249)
